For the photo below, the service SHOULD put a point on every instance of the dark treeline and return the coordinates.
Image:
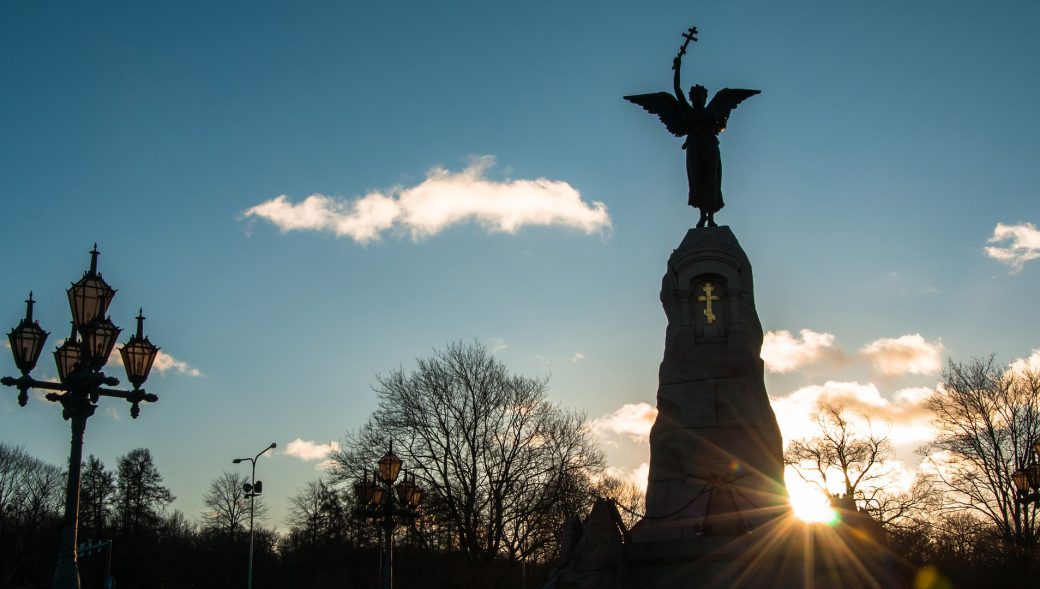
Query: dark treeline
(503, 468)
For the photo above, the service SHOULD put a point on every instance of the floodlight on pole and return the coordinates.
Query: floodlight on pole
(252, 489)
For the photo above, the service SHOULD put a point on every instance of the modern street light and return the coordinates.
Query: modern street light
(1028, 479)
(378, 498)
(252, 489)
(81, 385)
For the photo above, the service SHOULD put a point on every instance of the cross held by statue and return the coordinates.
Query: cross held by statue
(690, 35)
(707, 299)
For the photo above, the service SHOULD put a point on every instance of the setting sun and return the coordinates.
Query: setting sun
(808, 502)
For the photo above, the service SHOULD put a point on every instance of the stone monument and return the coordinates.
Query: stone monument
(715, 500)
(717, 511)
(716, 455)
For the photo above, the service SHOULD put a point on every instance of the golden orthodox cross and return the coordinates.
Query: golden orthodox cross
(707, 298)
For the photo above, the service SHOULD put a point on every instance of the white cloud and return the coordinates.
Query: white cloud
(904, 419)
(577, 357)
(497, 344)
(632, 419)
(443, 199)
(541, 358)
(783, 353)
(1030, 363)
(1022, 243)
(908, 354)
(163, 363)
(638, 476)
(113, 413)
(309, 450)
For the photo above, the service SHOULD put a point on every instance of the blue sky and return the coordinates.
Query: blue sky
(889, 142)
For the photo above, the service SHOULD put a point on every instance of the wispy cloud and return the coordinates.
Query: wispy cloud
(633, 420)
(309, 450)
(1020, 243)
(497, 344)
(783, 353)
(908, 354)
(443, 199)
(577, 357)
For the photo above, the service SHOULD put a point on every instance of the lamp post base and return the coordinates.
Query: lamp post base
(66, 572)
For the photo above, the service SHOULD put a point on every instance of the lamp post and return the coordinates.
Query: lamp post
(1027, 481)
(81, 385)
(380, 504)
(252, 489)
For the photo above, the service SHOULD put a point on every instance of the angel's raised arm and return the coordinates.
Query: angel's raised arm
(677, 65)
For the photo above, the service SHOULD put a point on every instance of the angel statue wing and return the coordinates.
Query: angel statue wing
(725, 101)
(668, 109)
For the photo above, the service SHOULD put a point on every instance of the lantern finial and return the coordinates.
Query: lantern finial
(93, 259)
(28, 307)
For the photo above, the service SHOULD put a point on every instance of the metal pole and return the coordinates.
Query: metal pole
(108, 566)
(252, 498)
(66, 573)
(388, 537)
(523, 561)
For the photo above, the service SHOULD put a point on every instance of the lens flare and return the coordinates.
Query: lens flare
(809, 503)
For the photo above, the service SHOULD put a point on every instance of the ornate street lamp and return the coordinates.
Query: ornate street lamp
(67, 355)
(388, 505)
(99, 338)
(1027, 481)
(81, 384)
(253, 488)
(389, 466)
(138, 354)
(26, 344)
(90, 296)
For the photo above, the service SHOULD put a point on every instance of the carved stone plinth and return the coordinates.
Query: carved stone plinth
(716, 455)
(717, 514)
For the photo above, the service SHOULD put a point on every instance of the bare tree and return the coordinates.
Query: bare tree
(227, 505)
(318, 513)
(838, 450)
(987, 419)
(14, 463)
(503, 467)
(860, 459)
(629, 498)
(32, 495)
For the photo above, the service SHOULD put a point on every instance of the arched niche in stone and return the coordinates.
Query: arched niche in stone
(705, 292)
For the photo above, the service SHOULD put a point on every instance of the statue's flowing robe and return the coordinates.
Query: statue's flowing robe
(704, 163)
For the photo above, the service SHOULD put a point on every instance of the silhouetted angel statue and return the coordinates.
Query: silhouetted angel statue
(701, 125)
